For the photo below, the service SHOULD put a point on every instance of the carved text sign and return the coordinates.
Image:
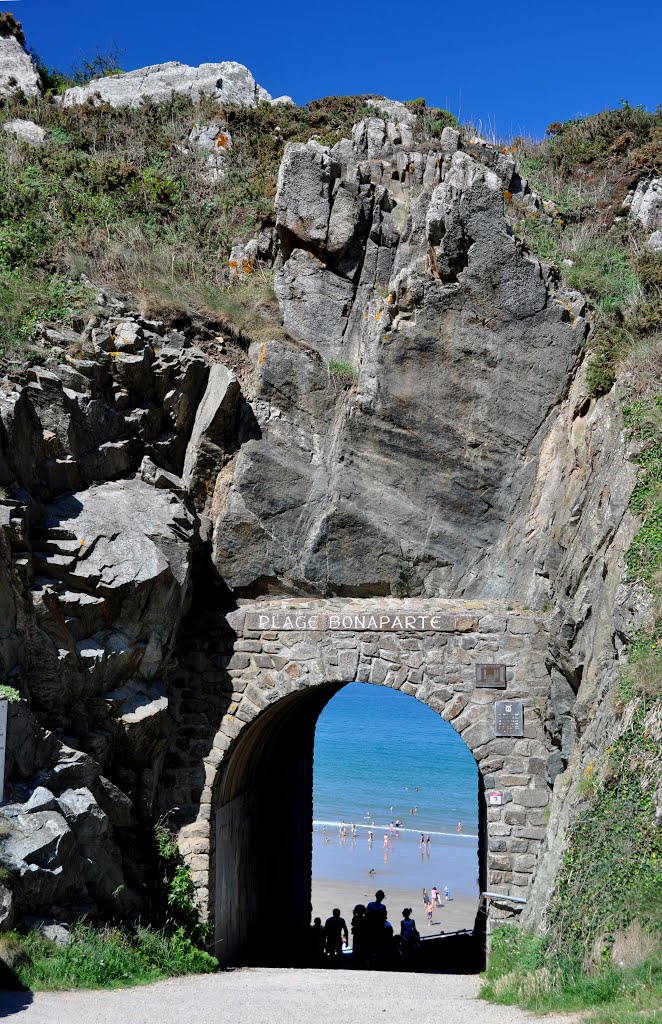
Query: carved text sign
(368, 621)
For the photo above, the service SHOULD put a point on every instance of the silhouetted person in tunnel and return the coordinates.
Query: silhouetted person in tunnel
(375, 919)
(335, 930)
(317, 942)
(359, 947)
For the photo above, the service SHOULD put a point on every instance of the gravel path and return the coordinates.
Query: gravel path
(275, 996)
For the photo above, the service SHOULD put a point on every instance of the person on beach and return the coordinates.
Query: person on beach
(459, 826)
(447, 893)
(427, 905)
(385, 842)
(434, 895)
(422, 839)
(335, 935)
(369, 838)
(427, 843)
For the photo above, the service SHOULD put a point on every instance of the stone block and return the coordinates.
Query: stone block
(452, 710)
(491, 624)
(378, 671)
(517, 846)
(231, 726)
(348, 661)
(198, 862)
(529, 832)
(514, 816)
(498, 878)
(497, 845)
(504, 779)
(524, 862)
(238, 661)
(499, 862)
(530, 797)
(536, 817)
(499, 829)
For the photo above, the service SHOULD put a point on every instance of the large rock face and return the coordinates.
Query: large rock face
(18, 73)
(227, 82)
(401, 264)
(421, 431)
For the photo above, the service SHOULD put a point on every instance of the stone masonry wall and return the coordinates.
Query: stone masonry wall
(436, 667)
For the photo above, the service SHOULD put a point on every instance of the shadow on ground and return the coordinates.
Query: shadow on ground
(14, 996)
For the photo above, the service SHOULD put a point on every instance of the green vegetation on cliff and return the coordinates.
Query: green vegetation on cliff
(123, 197)
(584, 168)
(601, 948)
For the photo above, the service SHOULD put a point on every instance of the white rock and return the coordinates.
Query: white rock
(25, 131)
(227, 82)
(646, 206)
(393, 110)
(654, 243)
(17, 71)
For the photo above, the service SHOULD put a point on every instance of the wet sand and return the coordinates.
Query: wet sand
(453, 915)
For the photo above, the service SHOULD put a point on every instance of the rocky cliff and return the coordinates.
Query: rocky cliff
(418, 425)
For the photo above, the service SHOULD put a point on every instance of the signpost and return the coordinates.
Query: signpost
(3, 746)
(509, 717)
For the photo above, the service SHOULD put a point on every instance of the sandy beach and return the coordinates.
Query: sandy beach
(341, 876)
(451, 916)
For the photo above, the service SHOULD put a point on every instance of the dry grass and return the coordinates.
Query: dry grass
(633, 946)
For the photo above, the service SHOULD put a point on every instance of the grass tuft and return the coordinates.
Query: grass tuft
(107, 958)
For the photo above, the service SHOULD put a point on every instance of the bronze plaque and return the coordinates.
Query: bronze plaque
(509, 717)
(491, 675)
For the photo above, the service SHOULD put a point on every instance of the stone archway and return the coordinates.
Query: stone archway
(290, 657)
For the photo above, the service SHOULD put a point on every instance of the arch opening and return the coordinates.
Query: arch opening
(395, 806)
(262, 812)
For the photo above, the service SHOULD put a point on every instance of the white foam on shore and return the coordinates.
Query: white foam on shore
(385, 829)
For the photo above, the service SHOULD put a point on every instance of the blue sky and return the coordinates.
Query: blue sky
(516, 67)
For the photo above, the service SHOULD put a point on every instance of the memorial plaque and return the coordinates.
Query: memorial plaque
(509, 717)
(491, 675)
(494, 797)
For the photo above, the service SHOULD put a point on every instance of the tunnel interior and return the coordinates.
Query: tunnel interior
(262, 835)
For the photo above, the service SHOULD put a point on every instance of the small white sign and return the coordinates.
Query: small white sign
(494, 797)
(3, 746)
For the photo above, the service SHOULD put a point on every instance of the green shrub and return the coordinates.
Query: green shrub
(109, 958)
(10, 694)
(182, 916)
(601, 137)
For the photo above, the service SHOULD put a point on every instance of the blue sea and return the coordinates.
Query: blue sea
(381, 755)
